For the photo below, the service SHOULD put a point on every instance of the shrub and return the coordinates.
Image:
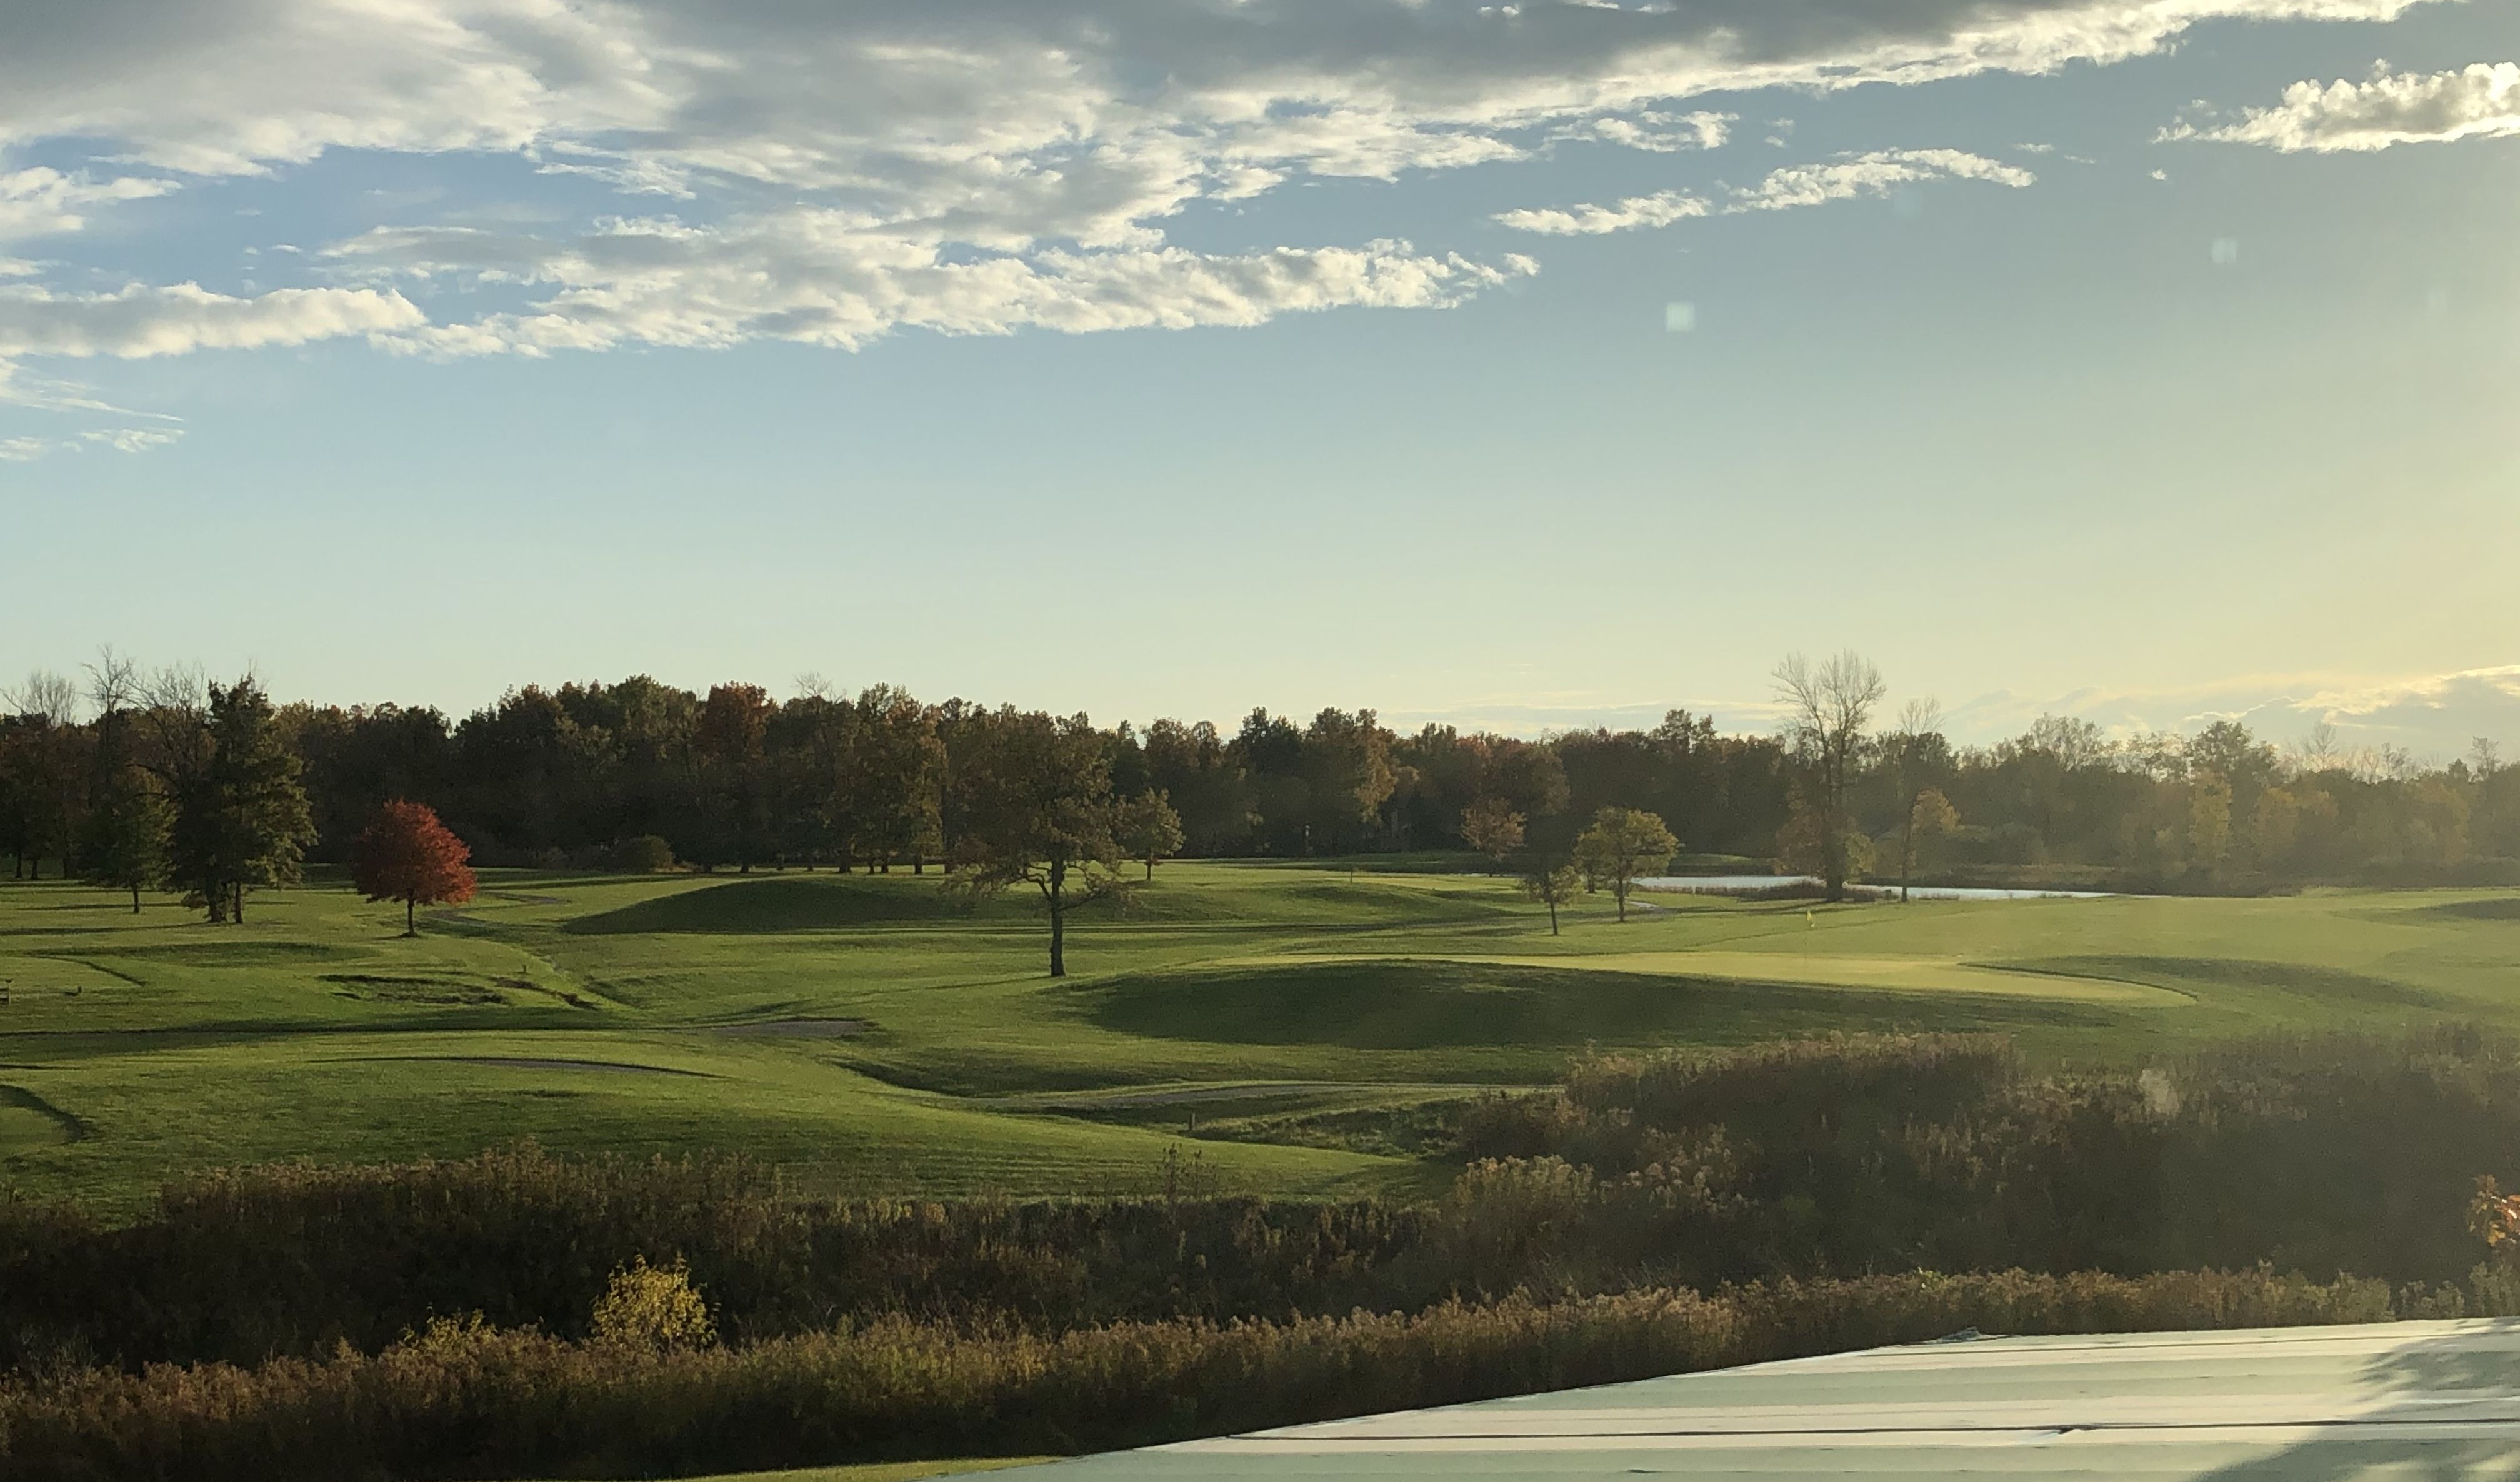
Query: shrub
(647, 854)
(652, 1308)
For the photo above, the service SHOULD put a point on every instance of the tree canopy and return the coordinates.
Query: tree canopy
(1622, 846)
(1037, 811)
(407, 855)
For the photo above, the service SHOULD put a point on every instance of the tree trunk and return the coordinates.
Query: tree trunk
(1553, 915)
(235, 914)
(1057, 893)
(410, 916)
(135, 899)
(1619, 893)
(1150, 867)
(1907, 851)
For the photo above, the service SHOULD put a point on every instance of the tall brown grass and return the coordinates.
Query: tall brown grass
(465, 1400)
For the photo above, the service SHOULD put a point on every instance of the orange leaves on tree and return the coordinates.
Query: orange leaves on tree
(2494, 1218)
(407, 855)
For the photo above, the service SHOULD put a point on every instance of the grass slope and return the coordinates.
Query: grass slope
(875, 1034)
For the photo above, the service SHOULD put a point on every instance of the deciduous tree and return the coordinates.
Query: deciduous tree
(1492, 828)
(1622, 845)
(42, 770)
(1552, 885)
(122, 840)
(1148, 829)
(1828, 706)
(1037, 810)
(407, 855)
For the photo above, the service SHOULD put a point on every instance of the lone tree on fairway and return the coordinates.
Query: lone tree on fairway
(407, 855)
(1037, 805)
(1622, 844)
(1552, 887)
(1828, 706)
(1149, 829)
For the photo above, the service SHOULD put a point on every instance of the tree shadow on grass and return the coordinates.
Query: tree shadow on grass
(1415, 1004)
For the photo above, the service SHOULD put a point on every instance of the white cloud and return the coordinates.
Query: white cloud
(36, 201)
(841, 278)
(2478, 102)
(131, 439)
(1036, 118)
(114, 439)
(1799, 185)
(1656, 132)
(139, 322)
(1660, 210)
(967, 166)
(19, 389)
(1871, 175)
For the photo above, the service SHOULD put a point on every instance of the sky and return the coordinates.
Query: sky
(1526, 365)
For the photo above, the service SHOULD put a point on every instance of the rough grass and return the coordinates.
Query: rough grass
(483, 1402)
(316, 1030)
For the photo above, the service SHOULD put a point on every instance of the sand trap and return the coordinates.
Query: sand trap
(798, 1030)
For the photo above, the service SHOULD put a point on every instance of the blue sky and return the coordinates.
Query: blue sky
(1519, 365)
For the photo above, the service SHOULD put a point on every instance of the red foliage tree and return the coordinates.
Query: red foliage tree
(407, 855)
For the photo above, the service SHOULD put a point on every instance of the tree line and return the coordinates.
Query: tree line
(140, 779)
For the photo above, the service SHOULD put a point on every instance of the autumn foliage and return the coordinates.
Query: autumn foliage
(407, 855)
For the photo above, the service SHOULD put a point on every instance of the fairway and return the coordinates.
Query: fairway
(1786, 968)
(875, 1035)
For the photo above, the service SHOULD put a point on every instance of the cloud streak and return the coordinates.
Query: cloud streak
(839, 279)
(110, 439)
(140, 321)
(1845, 178)
(40, 202)
(2478, 102)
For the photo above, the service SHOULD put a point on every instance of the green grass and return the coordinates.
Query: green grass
(1283, 1007)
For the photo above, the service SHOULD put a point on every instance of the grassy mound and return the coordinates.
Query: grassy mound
(1419, 1003)
(778, 903)
(2494, 908)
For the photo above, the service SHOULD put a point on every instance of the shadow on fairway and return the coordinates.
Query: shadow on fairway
(758, 907)
(1415, 1005)
(2325, 985)
(2500, 908)
(234, 954)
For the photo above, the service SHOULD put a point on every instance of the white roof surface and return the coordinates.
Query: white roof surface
(2428, 1401)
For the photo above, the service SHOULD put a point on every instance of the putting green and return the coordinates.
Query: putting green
(1882, 975)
